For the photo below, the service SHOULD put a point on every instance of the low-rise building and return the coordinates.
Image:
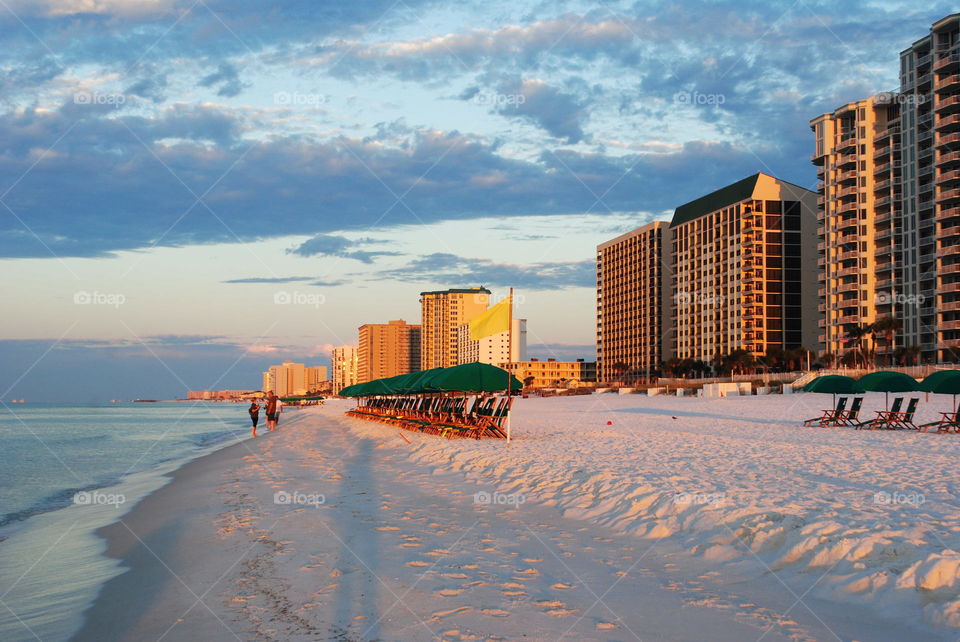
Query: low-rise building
(552, 373)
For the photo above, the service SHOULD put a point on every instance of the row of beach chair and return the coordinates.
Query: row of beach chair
(895, 418)
(447, 416)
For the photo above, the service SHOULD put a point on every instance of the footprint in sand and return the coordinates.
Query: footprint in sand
(513, 593)
(387, 528)
(531, 560)
(549, 603)
(495, 612)
(418, 563)
(529, 571)
(439, 614)
(606, 625)
(561, 586)
(454, 576)
(449, 592)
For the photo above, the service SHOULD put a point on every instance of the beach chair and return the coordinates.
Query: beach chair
(828, 415)
(872, 423)
(894, 420)
(849, 417)
(948, 423)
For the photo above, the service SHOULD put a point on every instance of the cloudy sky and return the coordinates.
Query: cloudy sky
(191, 190)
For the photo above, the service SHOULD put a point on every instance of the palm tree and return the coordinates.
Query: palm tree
(888, 326)
(619, 368)
(858, 333)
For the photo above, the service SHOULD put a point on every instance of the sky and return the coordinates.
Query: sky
(192, 190)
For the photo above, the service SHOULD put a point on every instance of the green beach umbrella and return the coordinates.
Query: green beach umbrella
(470, 377)
(835, 385)
(943, 382)
(887, 381)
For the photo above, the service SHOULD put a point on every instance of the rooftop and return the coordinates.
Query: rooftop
(480, 290)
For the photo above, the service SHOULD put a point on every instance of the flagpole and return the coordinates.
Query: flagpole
(509, 360)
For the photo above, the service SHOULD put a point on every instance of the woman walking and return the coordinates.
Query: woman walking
(254, 411)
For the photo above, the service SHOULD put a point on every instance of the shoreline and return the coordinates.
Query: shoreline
(142, 536)
(213, 555)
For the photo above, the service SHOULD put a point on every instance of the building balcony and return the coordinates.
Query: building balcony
(948, 139)
(848, 287)
(849, 175)
(948, 325)
(949, 122)
(818, 159)
(947, 83)
(853, 318)
(882, 185)
(881, 168)
(950, 306)
(949, 194)
(885, 283)
(886, 133)
(949, 177)
(948, 159)
(883, 200)
(883, 216)
(949, 287)
(948, 104)
(846, 191)
(846, 159)
(948, 269)
(948, 250)
(849, 222)
(881, 235)
(948, 212)
(947, 63)
(847, 271)
(846, 256)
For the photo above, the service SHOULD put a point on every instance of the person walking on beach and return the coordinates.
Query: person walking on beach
(254, 411)
(272, 401)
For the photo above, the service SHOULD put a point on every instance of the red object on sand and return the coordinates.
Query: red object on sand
(609, 423)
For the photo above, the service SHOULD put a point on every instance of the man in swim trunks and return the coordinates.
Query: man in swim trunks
(272, 400)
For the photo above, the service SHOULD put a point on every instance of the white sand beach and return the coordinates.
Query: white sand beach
(683, 519)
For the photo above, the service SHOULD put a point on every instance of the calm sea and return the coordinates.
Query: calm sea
(66, 470)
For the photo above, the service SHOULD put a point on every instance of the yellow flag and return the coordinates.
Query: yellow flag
(493, 321)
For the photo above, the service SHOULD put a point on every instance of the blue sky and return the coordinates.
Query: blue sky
(191, 190)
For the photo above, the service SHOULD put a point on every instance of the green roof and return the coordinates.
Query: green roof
(723, 197)
(459, 291)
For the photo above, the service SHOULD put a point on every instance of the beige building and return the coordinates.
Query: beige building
(345, 367)
(442, 313)
(387, 350)
(495, 348)
(552, 373)
(291, 378)
(858, 161)
(317, 379)
(633, 288)
(744, 270)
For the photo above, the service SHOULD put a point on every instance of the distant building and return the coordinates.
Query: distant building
(216, 395)
(317, 379)
(387, 350)
(493, 349)
(633, 303)
(442, 313)
(345, 367)
(552, 373)
(745, 270)
(291, 378)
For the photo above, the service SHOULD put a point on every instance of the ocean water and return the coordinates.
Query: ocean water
(67, 470)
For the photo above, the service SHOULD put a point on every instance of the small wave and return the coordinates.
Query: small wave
(55, 501)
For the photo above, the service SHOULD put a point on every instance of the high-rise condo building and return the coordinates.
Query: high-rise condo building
(496, 349)
(858, 159)
(633, 288)
(345, 367)
(387, 350)
(316, 379)
(744, 273)
(442, 312)
(930, 239)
